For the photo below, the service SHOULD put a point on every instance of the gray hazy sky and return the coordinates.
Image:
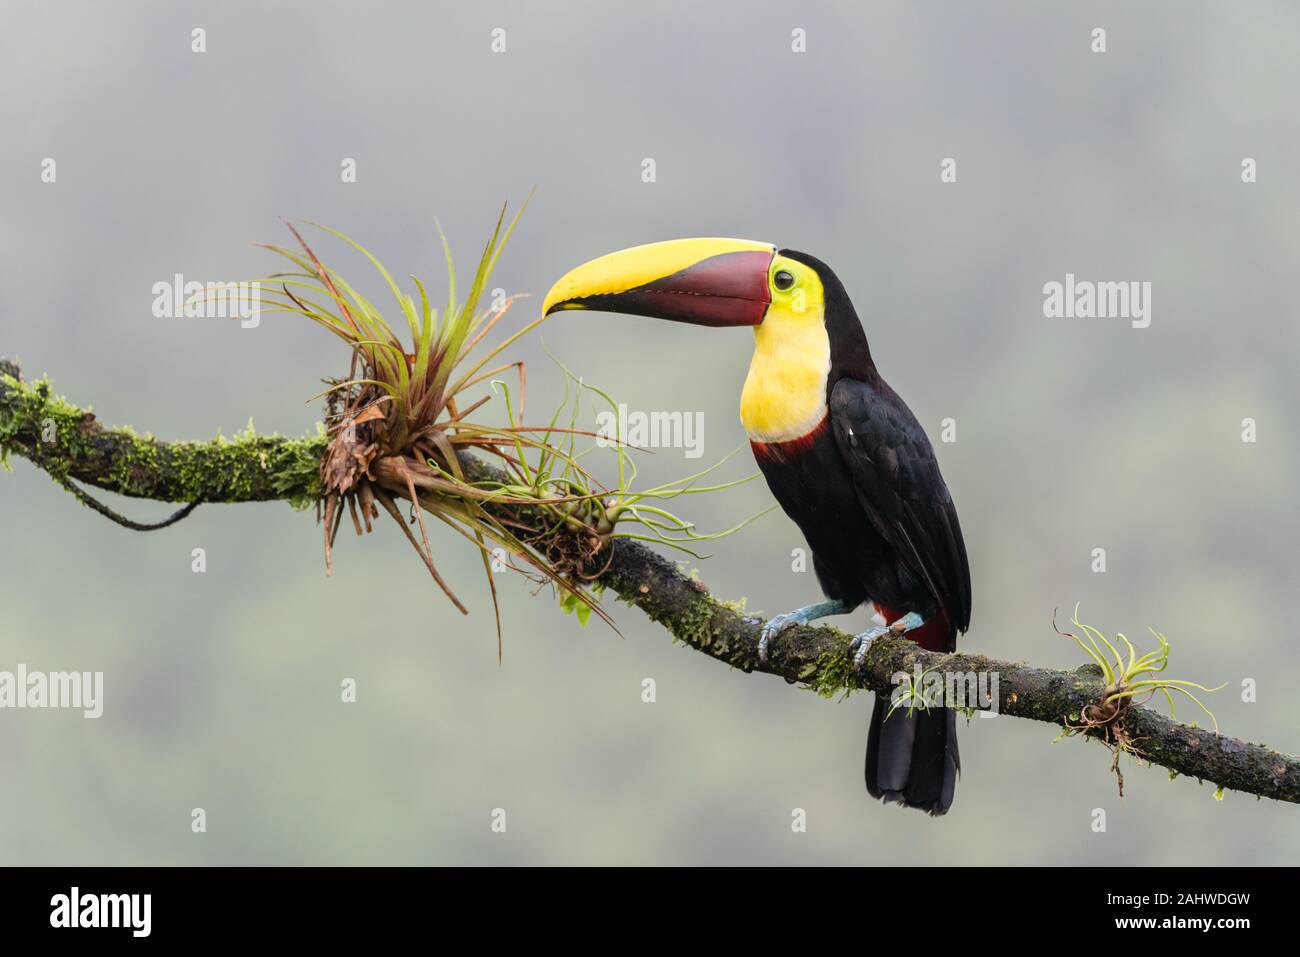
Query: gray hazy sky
(222, 689)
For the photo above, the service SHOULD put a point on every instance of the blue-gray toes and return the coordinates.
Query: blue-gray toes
(800, 616)
(861, 644)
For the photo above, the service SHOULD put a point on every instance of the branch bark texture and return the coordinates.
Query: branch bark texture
(68, 442)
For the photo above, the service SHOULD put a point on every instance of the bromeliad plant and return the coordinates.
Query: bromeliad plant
(399, 427)
(1124, 679)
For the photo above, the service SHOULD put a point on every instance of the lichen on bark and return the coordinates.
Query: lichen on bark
(69, 443)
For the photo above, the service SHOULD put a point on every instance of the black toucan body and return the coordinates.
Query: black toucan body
(841, 452)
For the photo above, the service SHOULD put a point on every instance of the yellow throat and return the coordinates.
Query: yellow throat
(785, 392)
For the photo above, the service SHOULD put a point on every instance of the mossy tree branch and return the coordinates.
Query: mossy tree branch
(69, 443)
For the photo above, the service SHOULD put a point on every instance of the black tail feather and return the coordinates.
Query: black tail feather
(912, 758)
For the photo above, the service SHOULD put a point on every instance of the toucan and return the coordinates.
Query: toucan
(842, 453)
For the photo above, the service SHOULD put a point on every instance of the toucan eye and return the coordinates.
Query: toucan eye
(783, 280)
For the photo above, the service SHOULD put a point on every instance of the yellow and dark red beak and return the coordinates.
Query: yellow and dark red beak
(708, 282)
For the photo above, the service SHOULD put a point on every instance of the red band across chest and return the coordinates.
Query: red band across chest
(790, 448)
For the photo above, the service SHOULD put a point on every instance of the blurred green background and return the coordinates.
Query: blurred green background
(222, 689)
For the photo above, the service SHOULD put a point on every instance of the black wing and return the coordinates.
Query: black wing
(898, 483)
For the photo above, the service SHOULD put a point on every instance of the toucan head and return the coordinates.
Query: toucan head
(707, 282)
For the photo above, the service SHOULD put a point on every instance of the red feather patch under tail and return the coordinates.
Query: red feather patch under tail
(932, 636)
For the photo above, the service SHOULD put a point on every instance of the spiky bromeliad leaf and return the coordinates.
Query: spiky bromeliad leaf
(399, 422)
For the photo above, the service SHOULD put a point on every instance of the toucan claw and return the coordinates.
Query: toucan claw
(861, 644)
(800, 616)
(773, 627)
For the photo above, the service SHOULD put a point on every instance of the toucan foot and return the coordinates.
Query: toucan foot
(861, 644)
(800, 616)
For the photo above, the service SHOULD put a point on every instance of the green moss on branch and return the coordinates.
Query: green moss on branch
(68, 442)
